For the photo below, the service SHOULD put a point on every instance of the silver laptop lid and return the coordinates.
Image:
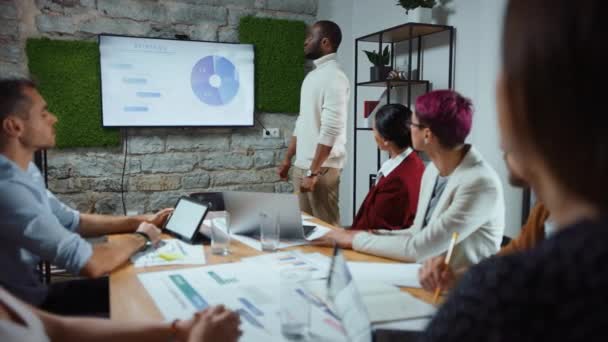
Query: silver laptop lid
(245, 209)
(346, 300)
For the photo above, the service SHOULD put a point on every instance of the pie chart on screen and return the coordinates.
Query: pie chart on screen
(214, 80)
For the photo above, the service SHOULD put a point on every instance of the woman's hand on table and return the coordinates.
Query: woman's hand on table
(341, 237)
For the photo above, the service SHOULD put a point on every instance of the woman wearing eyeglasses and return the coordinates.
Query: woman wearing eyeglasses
(391, 202)
(460, 192)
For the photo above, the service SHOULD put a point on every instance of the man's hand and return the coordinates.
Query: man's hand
(284, 169)
(434, 274)
(151, 230)
(308, 184)
(215, 324)
(341, 237)
(159, 218)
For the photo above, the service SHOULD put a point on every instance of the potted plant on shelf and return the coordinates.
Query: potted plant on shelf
(421, 10)
(380, 69)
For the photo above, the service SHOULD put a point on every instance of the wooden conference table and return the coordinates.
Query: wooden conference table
(129, 300)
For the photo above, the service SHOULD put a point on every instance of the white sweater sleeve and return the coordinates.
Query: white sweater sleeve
(471, 208)
(333, 110)
(297, 128)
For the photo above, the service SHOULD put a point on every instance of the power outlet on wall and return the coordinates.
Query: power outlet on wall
(271, 133)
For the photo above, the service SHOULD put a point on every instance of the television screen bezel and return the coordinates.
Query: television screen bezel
(103, 125)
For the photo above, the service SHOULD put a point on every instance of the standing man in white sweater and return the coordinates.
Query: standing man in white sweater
(319, 138)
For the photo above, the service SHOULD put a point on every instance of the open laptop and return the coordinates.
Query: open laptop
(348, 304)
(245, 209)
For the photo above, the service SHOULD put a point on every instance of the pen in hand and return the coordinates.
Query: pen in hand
(446, 263)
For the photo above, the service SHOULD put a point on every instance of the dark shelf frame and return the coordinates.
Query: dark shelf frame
(407, 32)
(394, 83)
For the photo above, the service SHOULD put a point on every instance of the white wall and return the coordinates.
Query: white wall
(478, 28)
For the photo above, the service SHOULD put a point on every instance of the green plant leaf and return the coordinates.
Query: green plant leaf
(413, 4)
(373, 57)
(386, 56)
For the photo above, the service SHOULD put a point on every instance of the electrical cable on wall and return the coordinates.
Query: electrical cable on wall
(266, 132)
(124, 168)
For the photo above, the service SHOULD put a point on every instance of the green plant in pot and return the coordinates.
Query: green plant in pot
(380, 70)
(413, 4)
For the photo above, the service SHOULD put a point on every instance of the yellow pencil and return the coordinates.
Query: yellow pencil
(448, 256)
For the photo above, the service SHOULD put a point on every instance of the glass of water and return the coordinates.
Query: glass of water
(269, 232)
(295, 304)
(220, 235)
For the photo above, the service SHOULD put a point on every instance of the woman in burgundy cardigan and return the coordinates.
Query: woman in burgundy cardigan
(391, 203)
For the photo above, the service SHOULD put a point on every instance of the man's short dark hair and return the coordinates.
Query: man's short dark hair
(12, 98)
(331, 31)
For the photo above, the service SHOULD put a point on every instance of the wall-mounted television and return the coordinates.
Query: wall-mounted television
(147, 82)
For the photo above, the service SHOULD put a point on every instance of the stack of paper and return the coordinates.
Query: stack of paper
(317, 263)
(384, 303)
(247, 288)
(398, 274)
(393, 305)
(251, 288)
(170, 252)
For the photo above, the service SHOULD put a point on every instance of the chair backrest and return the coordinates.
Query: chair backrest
(215, 200)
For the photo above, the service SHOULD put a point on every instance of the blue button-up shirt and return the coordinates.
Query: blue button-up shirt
(34, 226)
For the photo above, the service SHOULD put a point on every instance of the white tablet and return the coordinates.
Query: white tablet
(186, 218)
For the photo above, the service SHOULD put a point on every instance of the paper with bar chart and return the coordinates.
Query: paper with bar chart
(170, 252)
(248, 288)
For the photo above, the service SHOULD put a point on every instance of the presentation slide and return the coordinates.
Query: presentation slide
(163, 82)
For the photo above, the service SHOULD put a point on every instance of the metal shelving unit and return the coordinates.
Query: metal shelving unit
(406, 33)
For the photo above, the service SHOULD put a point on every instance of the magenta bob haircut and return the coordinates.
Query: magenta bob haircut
(447, 114)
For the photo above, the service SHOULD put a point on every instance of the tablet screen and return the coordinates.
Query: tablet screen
(186, 218)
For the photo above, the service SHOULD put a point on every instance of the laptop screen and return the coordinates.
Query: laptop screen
(346, 300)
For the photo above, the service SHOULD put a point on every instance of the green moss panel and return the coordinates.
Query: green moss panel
(279, 61)
(67, 73)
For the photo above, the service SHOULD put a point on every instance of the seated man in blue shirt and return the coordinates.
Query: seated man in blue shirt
(35, 225)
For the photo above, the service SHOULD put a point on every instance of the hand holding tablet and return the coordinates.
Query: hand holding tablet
(186, 219)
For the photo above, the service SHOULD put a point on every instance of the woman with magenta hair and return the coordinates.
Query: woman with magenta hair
(391, 203)
(460, 192)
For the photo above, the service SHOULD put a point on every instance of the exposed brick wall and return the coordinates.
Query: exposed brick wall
(162, 164)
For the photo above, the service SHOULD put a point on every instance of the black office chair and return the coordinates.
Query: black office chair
(215, 200)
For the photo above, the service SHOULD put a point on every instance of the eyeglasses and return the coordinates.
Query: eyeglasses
(419, 126)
